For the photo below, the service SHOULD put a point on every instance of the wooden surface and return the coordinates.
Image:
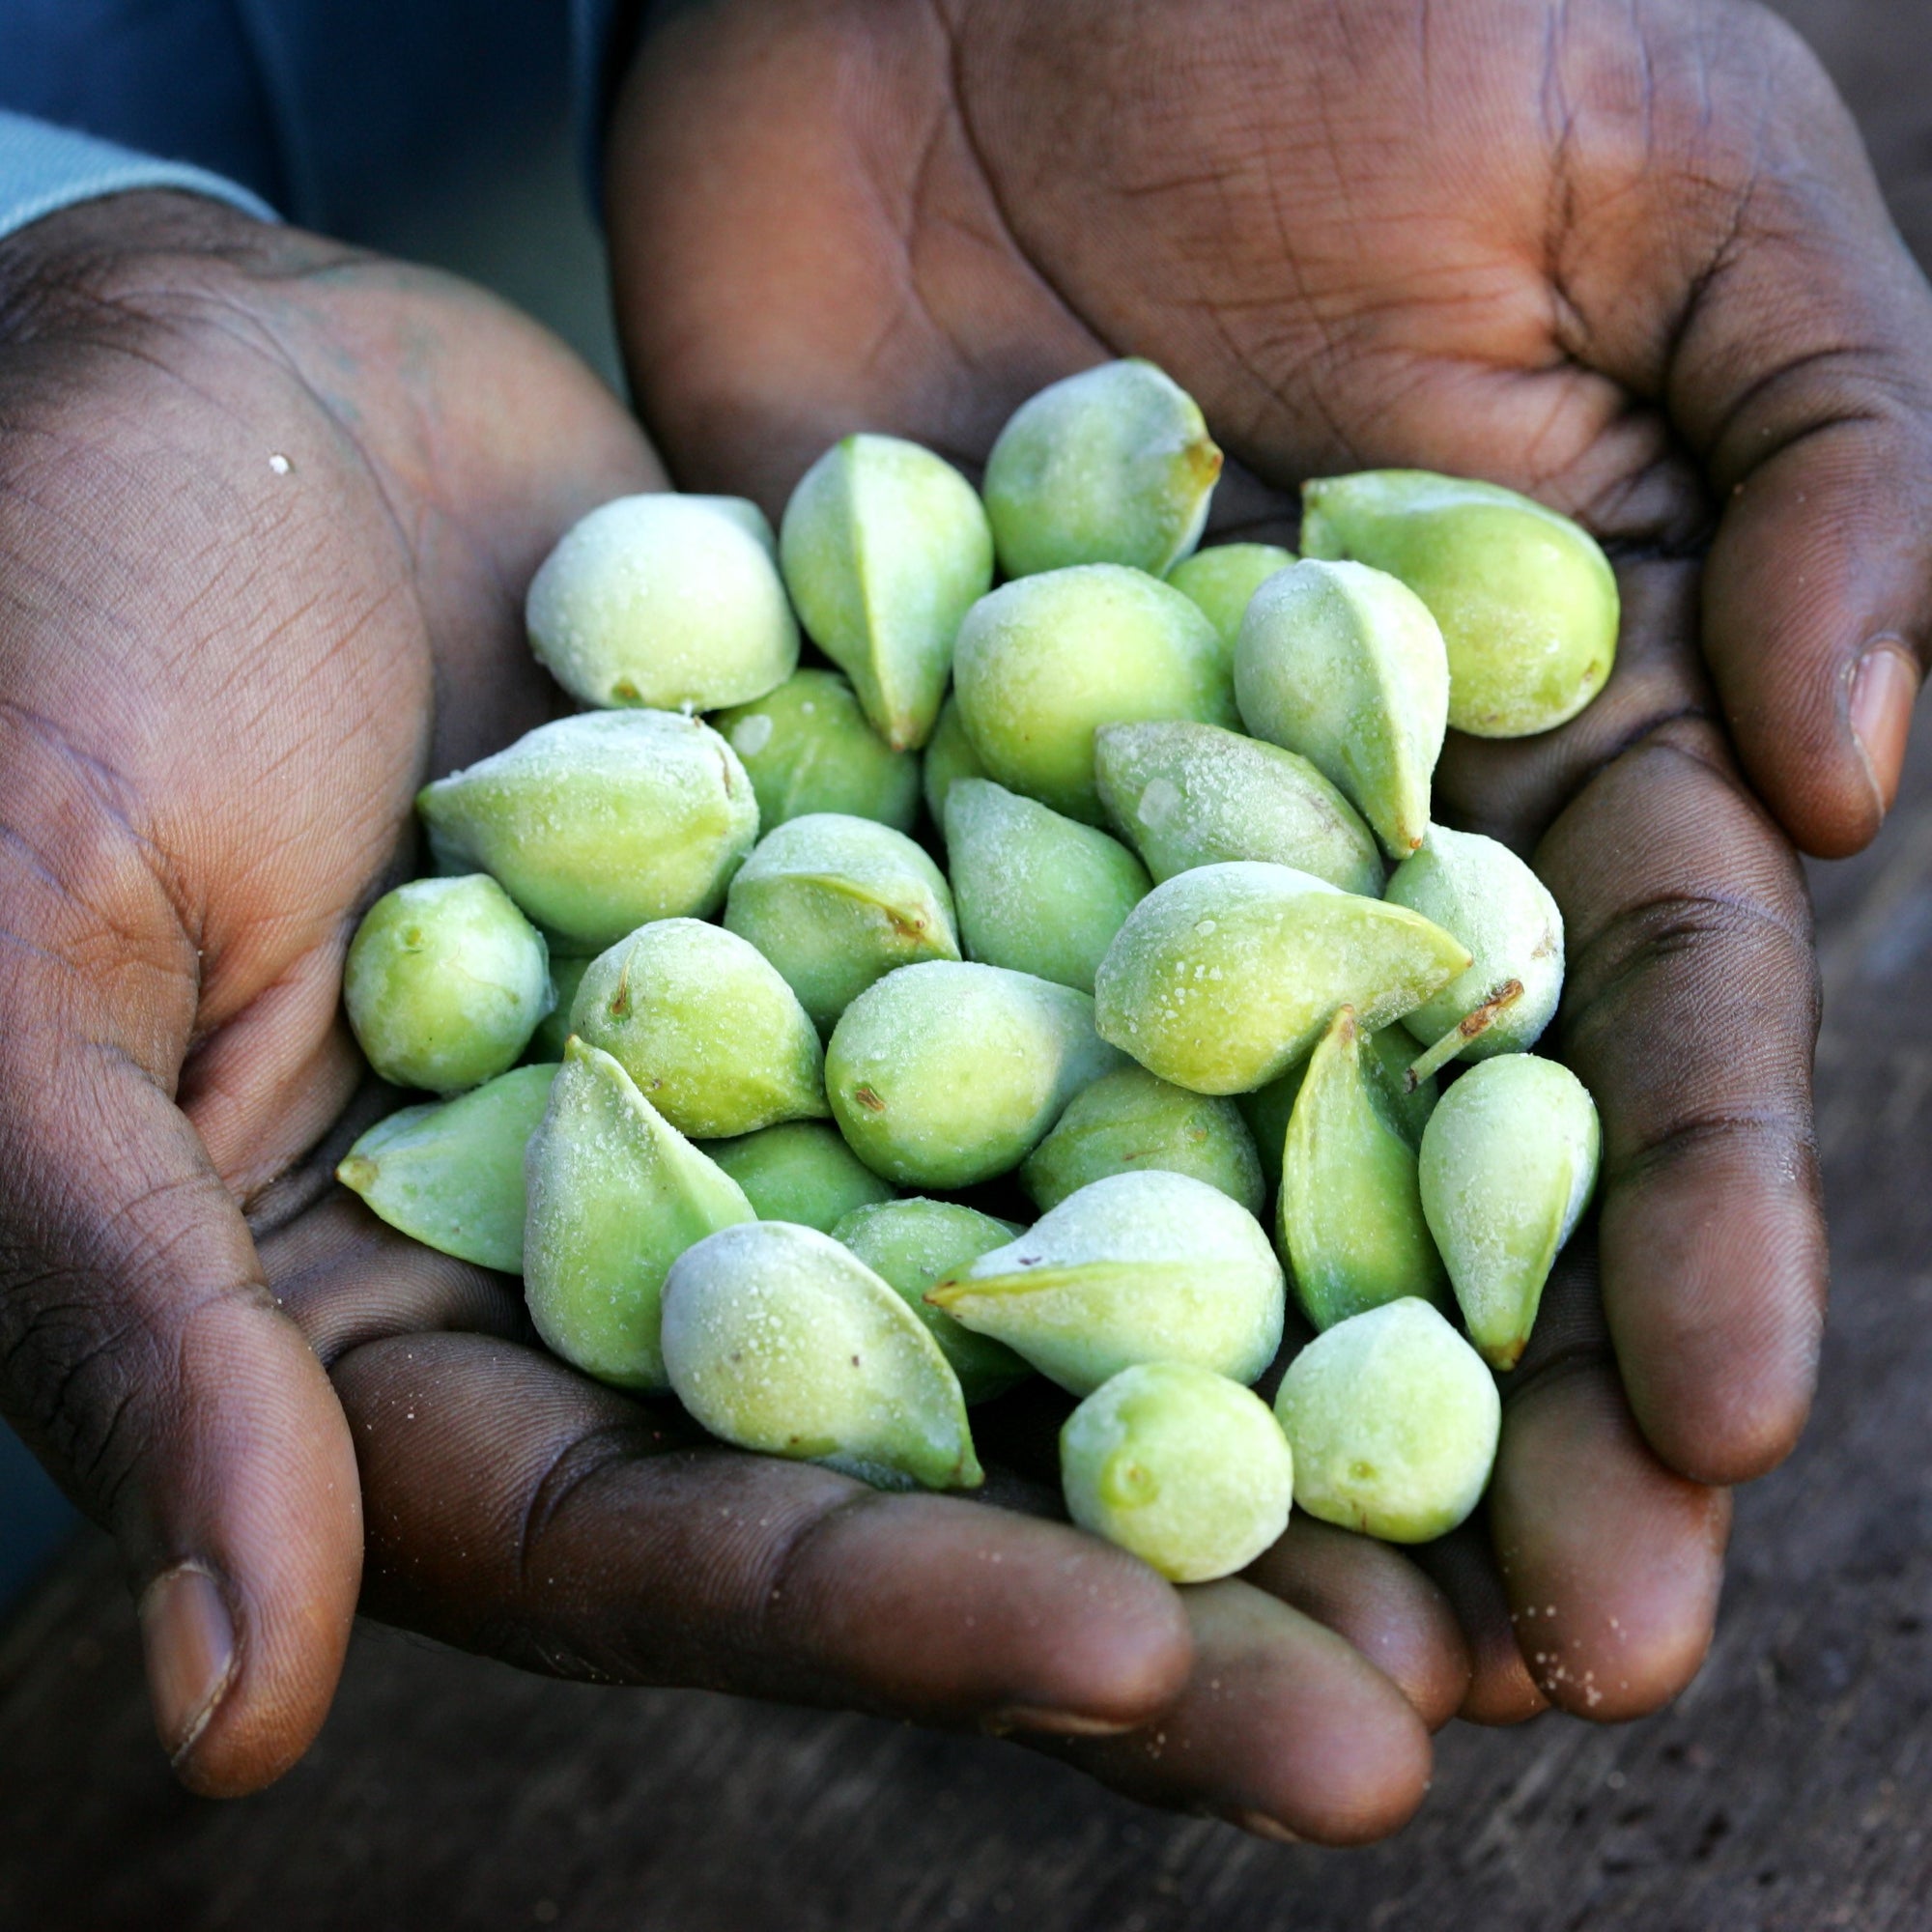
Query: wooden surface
(1786, 1793)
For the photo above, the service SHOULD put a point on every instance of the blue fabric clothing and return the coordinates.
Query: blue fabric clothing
(323, 109)
(43, 168)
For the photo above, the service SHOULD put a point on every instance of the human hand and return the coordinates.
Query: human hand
(266, 512)
(1632, 264)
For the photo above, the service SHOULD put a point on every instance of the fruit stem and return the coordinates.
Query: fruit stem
(1473, 1024)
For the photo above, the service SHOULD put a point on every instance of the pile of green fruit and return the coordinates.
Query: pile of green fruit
(1165, 976)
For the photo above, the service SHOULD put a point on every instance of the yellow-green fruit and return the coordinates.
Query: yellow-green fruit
(949, 755)
(615, 1195)
(598, 823)
(1043, 663)
(1185, 1468)
(835, 903)
(1036, 891)
(451, 1175)
(1222, 580)
(1139, 1267)
(1386, 1059)
(445, 982)
(1503, 913)
(1129, 1122)
(704, 1024)
(1393, 1420)
(800, 1170)
(1224, 976)
(807, 748)
(1349, 1214)
(945, 1075)
(884, 547)
(1347, 667)
(780, 1340)
(665, 600)
(1112, 465)
(1186, 795)
(1509, 1160)
(910, 1244)
(1526, 598)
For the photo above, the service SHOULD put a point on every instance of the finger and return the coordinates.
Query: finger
(345, 1279)
(515, 1508)
(1464, 1567)
(1380, 1603)
(1612, 1562)
(147, 1365)
(1800, 370)
(1690, 1012)
(1283, 1729)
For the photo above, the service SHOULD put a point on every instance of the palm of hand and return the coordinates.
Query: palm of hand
(1526, 243)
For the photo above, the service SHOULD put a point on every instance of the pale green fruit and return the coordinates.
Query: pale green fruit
(1041, 663)
(665, 600)
(597, 823)
(1502, 912)
(800, 1170)
(1393, 1420)
(1186, 795)
(445, 982)
(1112, 465)
(1185, 1468)
(780, 1340)
(949, 755)
(1527, 600)
(617, 1194)
(1347, 667)
(746, 515)
(943, 1076)
(835, 903)
(1349, 1216)
(1139, 1267)
(885, 548)
(701, 1021)
(553, 1029)
(451, 1175)
(1130, 1122)
(1036, 891)
(910, 1244)
(1222, 580)
(1224, 976)
(807, 748)
(1508, 1163)
(1386, 1060)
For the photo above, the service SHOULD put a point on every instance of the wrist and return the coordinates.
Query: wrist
(111, 255)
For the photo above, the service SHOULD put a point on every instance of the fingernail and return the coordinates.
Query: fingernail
(189, 1641)
(1885, 688)
(1262, 1826)
(1060, 1724)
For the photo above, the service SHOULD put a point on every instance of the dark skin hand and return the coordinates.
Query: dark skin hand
(268, 510)
(1630, 259)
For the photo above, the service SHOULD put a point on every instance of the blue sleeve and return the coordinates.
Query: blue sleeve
(43, 169)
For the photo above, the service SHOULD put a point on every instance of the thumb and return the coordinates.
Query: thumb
(141, 1353)
(1804, 376)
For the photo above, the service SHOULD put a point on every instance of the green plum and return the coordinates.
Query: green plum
(665, 601)
(1527, 600)
(779, 1339)
(444, 984)
(1036, 891)
(1186, 1469)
